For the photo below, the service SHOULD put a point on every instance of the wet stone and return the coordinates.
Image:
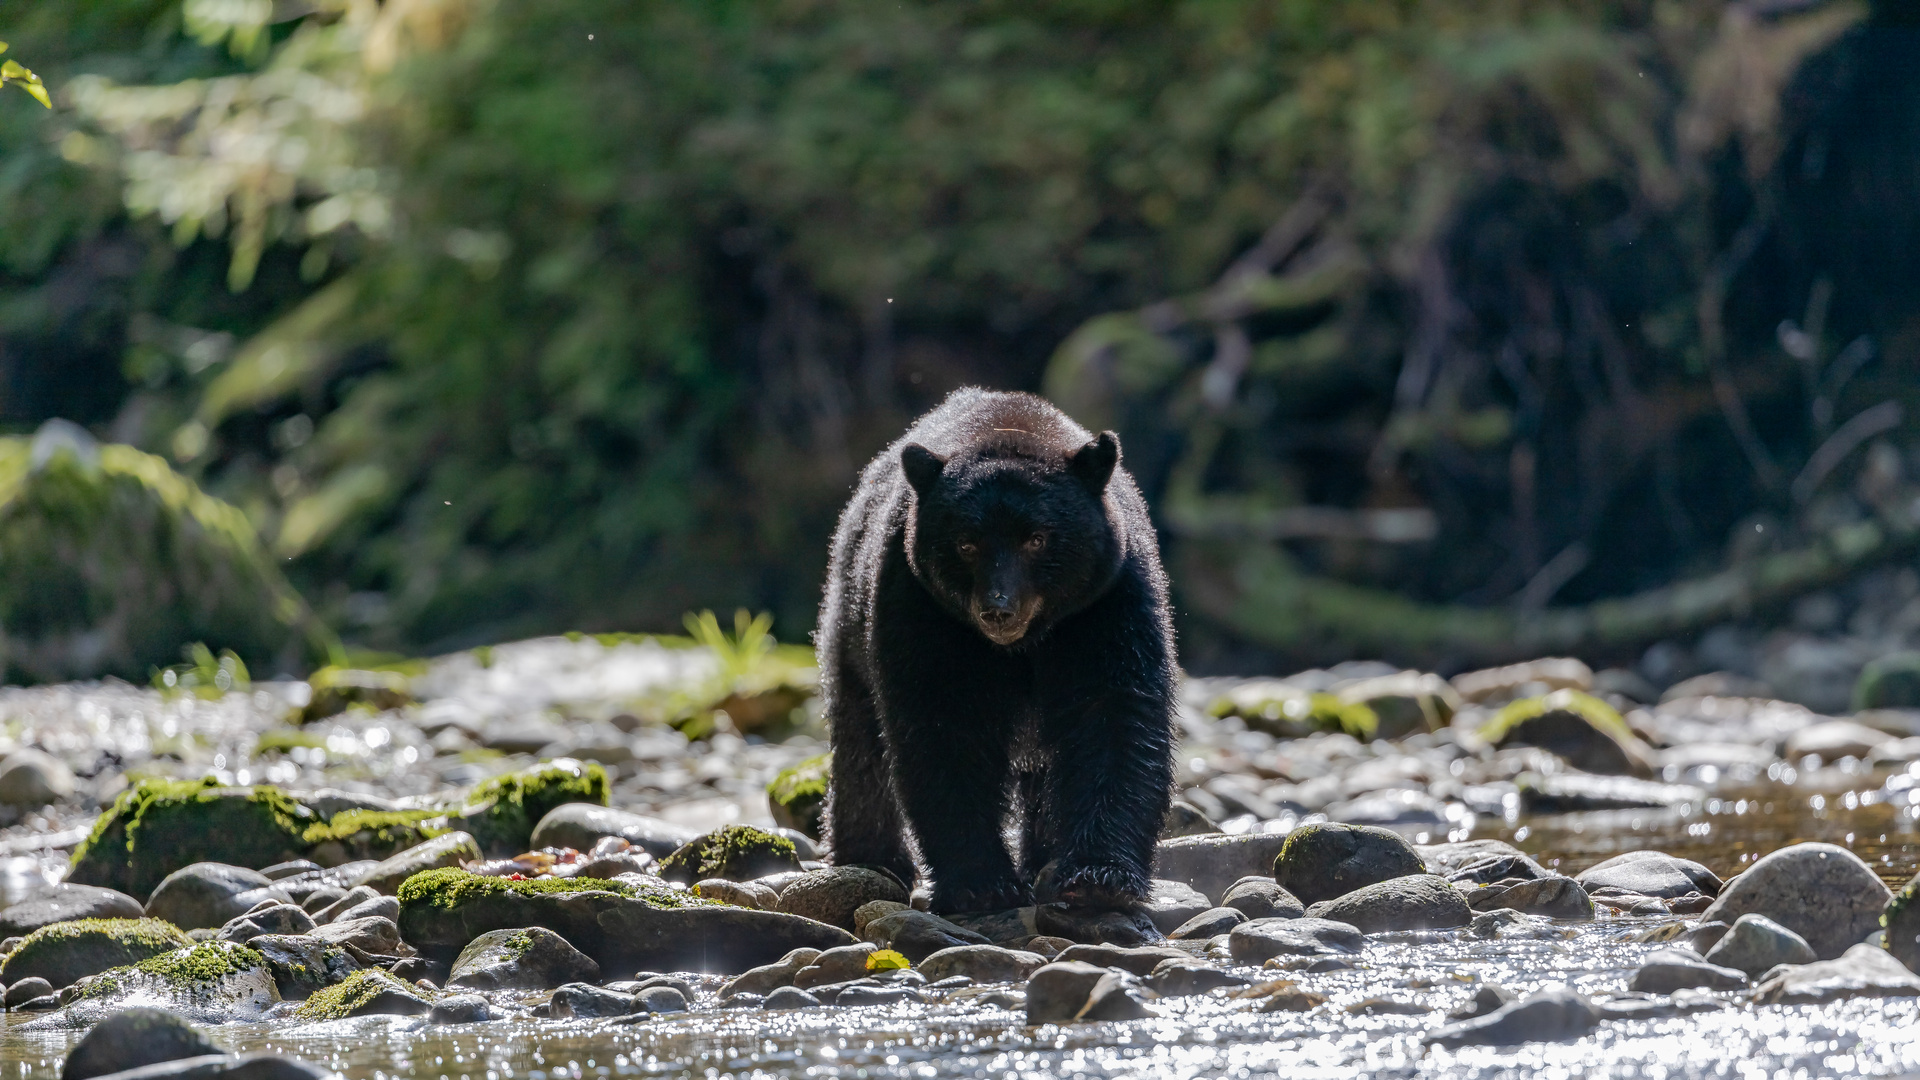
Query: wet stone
(1486, 998)
(581, 825)
(1116, 996)
(1213, 863)
(1262, 898)
(1095, 925)
(1171, 903)
(833, 895)
(1449, 859)
(766, 978)
(1057, 992)
(789, 997)
(1822, 892)
(981, 964)
(1861, 971)
(449, 849)
(206, 895)
(1551, 896)
(26, 990)
(1136, 961)
(1667, 970)
(377, 907)
(842, 964)
(917, 935)
(133, 1038)
(533, 958)
(272, 917)
(1322, 862)
(579, 1000)
(855, 996)
(64, 953)
(1650, 873)
(1262, 939)
(747, 894)
(1507, 923)
(1414, 902)
(64, 903)
(371, 934)
(1189, 978)
(346, 902)
(460, 1009)
(661, 999)
(1553, 1015)
(30, 779)
(1755, 944)
(1207, 924)
(301, 966)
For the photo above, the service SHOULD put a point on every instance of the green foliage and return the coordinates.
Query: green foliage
(740, 652)
(13, 74)
(1602, 716)
(203, 675)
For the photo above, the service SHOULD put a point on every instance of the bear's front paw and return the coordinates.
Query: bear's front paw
(1100, 885)
(995, 896)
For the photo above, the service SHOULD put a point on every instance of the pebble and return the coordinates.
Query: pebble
(1117, 996)
(661, 999)
(1188, 978)
(267, 917)
(1755, 944)
(1261, 939)
(1412, 902)
(1822, 892)
(27, 989)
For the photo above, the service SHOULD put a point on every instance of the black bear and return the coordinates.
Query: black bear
(996, 657)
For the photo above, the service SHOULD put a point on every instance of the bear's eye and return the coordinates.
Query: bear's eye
(1037, 541)
(968, 549)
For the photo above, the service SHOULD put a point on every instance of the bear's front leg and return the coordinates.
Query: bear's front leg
(1105, 684)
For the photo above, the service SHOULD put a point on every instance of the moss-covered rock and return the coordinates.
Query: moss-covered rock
(530, 958)
(159, 826)
(623, 927)
(798, 795)
(110, 561)
(65, 953)
(353, 835)
(1589, 733)
(1282, 709)
(1325, 861)
(1890, 682)
(364, 993)
(502, 812)
(736, 852)
(337, 689)
(303, 966)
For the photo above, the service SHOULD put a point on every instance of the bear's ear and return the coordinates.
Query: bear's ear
(922, 466)
(1094, 462)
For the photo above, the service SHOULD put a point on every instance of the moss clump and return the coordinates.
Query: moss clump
(66, 952)
(184, 970)
(1290, 712)
(1565, 722)
(159, 826)
(502, 812)
(737, 853)
(375, 834)
(362, 992)
(798, 795)
(450, 887)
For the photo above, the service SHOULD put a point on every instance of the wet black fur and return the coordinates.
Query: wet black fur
(945, 742)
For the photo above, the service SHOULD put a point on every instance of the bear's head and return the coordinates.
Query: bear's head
(1011, 537)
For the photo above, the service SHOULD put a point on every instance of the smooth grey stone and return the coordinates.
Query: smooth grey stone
(1190, 978)
(1057, 992)
(1171, 903)
(321, 899)
(832, 895)
(132, 1038)
(31, 779)
(1551, 1015)
(1755, 944)
(26, 990)
(447, 849)
(917, 935)
(205, 895)
(225, 1067)
(1413, 902)
(787, 997)
(1650, 873)
(532, 958)
(1262, 898)
(347, 901)
(281, 871)
(981, 964)
(1667, 970)
(1136, 960)
(584, 1001)
(1323, 862)
(1214, 862)
(1561, 793)
(1551, 896)
(302, 965)
(384, 907)
(1115, 997)
(661, 999)
(1822, 892)
(372, 934)
(460, 1009)
(1263, 939)
(1095, 925)
(581, 825)
(1861, 971)
(272, 918)
(854, 996)
(1448, 859)
(64, 903)
(1209, 923)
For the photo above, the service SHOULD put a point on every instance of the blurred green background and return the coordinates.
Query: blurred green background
(1449, 333)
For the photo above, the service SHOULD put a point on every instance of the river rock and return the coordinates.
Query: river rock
(1262, 898)
(1822, 892)
(736, 852)
(660, 1000)
(1553, 896)
(1551, 1015)
(449, 849)
(1190, 978)
(581, 825)
(1139, 960)
(31, 779)
(1117, 996)
(1833, 740)
(1756, 944)
(211, 982)
(1666, 970)
(1170, 903)
(26, 990)
(1185, 819)
(1651, 873)
(1561, 793)
(789, 997)
(530, 958)
(844, 963)
(366, 993)
(1412, 902)
(1578, 727)
(1322, 862)
(981, 963)
(1214, 862)
(1262, 939)
(1505, 923)
(132, 1038)
(1097, 926)
(271, 917)
(301, 966)
(65, 903)
(581, 1000)
(1057, 992)
(383, 907)
(1863, 970)
(917, 935)
(832, 895)
(372, 934)
(460, 1009)
(158, 826)
(623, 927)
(767, 978)
(344, 903)
(206, 895)
(1449, 858)
(64, 953)
(1209, 923)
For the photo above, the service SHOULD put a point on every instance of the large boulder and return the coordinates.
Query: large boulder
(110, 560)
(502, 812)
(623, 927)
(66, 902)
(1822, 892)
(65, 953)
(1321, 862)
(158, 826)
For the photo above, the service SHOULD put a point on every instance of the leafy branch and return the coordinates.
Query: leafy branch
(13, 73)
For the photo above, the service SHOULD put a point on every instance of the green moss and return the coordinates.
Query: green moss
(351, 995)
(158, 826)
(64, 952)
(798, 795)
(450, 887)
(503, 811)
(737, 852)
(185, 969)
(1290, 712)
(396, 829)
(1604, 717)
